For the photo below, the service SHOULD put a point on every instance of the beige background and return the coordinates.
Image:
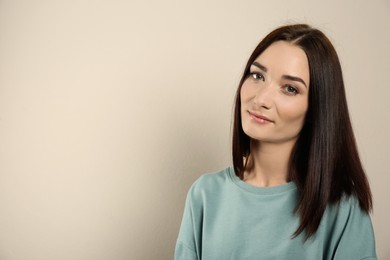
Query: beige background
(109, 110)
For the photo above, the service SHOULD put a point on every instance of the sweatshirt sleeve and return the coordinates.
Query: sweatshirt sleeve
(187, 244)
(357, 239)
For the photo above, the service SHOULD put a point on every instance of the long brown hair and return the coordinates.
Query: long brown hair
(324, 163)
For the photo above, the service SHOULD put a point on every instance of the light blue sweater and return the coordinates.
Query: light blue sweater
(226, 218)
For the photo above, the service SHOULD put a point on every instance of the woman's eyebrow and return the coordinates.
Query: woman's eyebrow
(263, 68)
(288, 77)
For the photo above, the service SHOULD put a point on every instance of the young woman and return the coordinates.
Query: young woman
(297, 189)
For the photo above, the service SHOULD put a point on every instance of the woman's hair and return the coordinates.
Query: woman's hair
(324, 163)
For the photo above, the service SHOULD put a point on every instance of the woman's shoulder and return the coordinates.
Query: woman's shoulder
(346, 211)
(346, 205)
(211, 182)
(349, 230)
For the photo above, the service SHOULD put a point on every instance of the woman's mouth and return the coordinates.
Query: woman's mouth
(259, 118)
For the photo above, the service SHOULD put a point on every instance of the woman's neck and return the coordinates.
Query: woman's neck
(268, 164)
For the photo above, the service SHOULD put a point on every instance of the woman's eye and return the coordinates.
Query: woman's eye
(291, 90)
(257, 76)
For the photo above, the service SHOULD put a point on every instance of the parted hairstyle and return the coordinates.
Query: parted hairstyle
(324, 162)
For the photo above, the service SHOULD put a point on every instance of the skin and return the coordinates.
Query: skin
(274, 102)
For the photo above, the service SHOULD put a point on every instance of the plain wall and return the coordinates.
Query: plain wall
(109, 110)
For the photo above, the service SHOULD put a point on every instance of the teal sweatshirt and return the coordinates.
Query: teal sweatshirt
(228, 219)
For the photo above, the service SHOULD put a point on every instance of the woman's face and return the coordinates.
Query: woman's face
(274, 98)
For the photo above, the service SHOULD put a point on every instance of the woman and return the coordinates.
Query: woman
(297, 189)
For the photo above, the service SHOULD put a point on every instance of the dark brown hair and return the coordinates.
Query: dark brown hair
(324, 163)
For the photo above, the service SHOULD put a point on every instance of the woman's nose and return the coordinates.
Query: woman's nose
(264, 96)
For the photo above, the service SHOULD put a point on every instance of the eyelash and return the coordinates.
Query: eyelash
(291, 88)
(257, 76)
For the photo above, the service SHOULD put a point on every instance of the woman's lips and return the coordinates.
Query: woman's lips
(259, 118)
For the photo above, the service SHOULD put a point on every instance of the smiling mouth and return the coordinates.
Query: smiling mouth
(260, 119)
